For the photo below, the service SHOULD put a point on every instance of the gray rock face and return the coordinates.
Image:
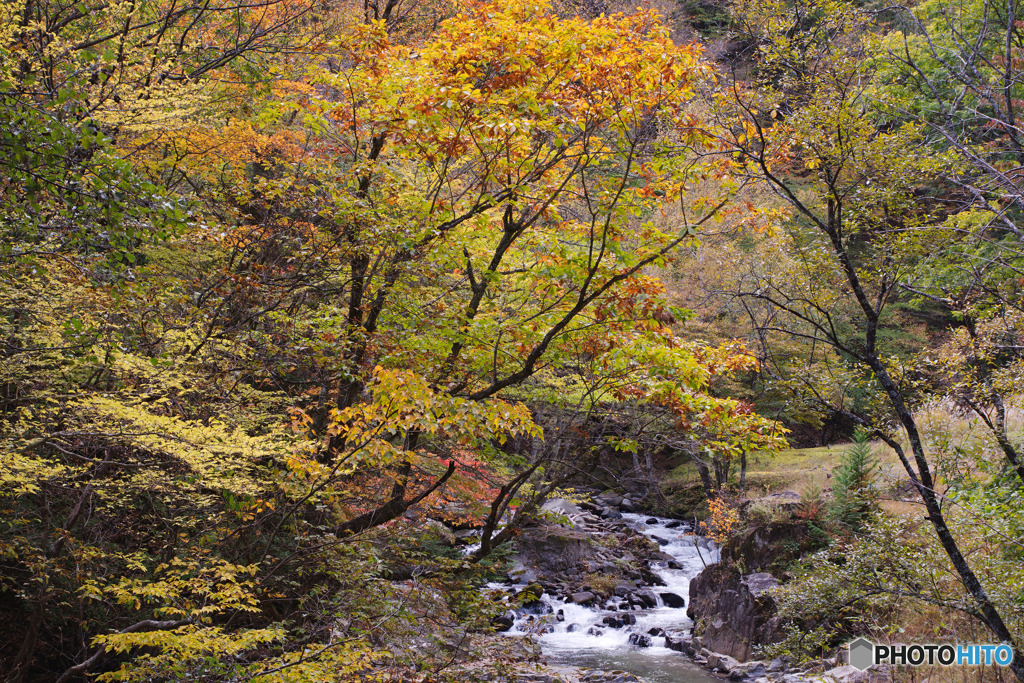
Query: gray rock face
(550, 549)
(737, 611)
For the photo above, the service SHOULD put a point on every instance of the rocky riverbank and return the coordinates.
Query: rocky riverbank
(594, 575)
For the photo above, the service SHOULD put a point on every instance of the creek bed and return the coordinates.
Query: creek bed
(582, 638)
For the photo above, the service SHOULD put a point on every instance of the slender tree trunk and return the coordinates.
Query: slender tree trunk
(743, 471)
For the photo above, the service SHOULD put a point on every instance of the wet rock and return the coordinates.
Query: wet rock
(628, 619)
(583, 598)
(652, 520)
(672, 600)
(674, 643)
(655, 631)
(645, 597)
(595, 631)
(650, 578)
(674, 524)
(612, 622)
(504, 622)
(661, 540)
(639, 640)
(572, 628)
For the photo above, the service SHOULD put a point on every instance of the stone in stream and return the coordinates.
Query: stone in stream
(572, 628)
(646, 597)
(583, 597)
(674, 524)
(655, 631)
(595, 631)
(612, 622)
(628, 619)
(639, 640)
(672, 600)
(661, 540)
(652, 520)
(504, 621)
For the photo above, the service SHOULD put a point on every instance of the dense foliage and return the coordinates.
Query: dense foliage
(289, 290)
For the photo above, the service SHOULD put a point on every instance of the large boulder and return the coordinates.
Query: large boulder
(672, 600)
(770, 546)
(736, 612)
(551, 549)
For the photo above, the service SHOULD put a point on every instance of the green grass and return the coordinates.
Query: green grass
(793, 469)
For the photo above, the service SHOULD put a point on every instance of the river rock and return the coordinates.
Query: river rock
(723, 663)
(609, 499)
(674, 643)
(639, 640)
(650, 578)
(672, 600)
(645, 597)
(652, 520)
(504, 622)
(551, 551)
(583, 598)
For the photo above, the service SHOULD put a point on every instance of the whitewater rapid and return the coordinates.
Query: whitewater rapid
(577, 635)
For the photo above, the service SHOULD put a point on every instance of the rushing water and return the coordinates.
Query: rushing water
(581, 639)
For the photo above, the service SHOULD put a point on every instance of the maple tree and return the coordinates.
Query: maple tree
(277, 275)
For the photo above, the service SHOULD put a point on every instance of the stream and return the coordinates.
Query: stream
(584, 639)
